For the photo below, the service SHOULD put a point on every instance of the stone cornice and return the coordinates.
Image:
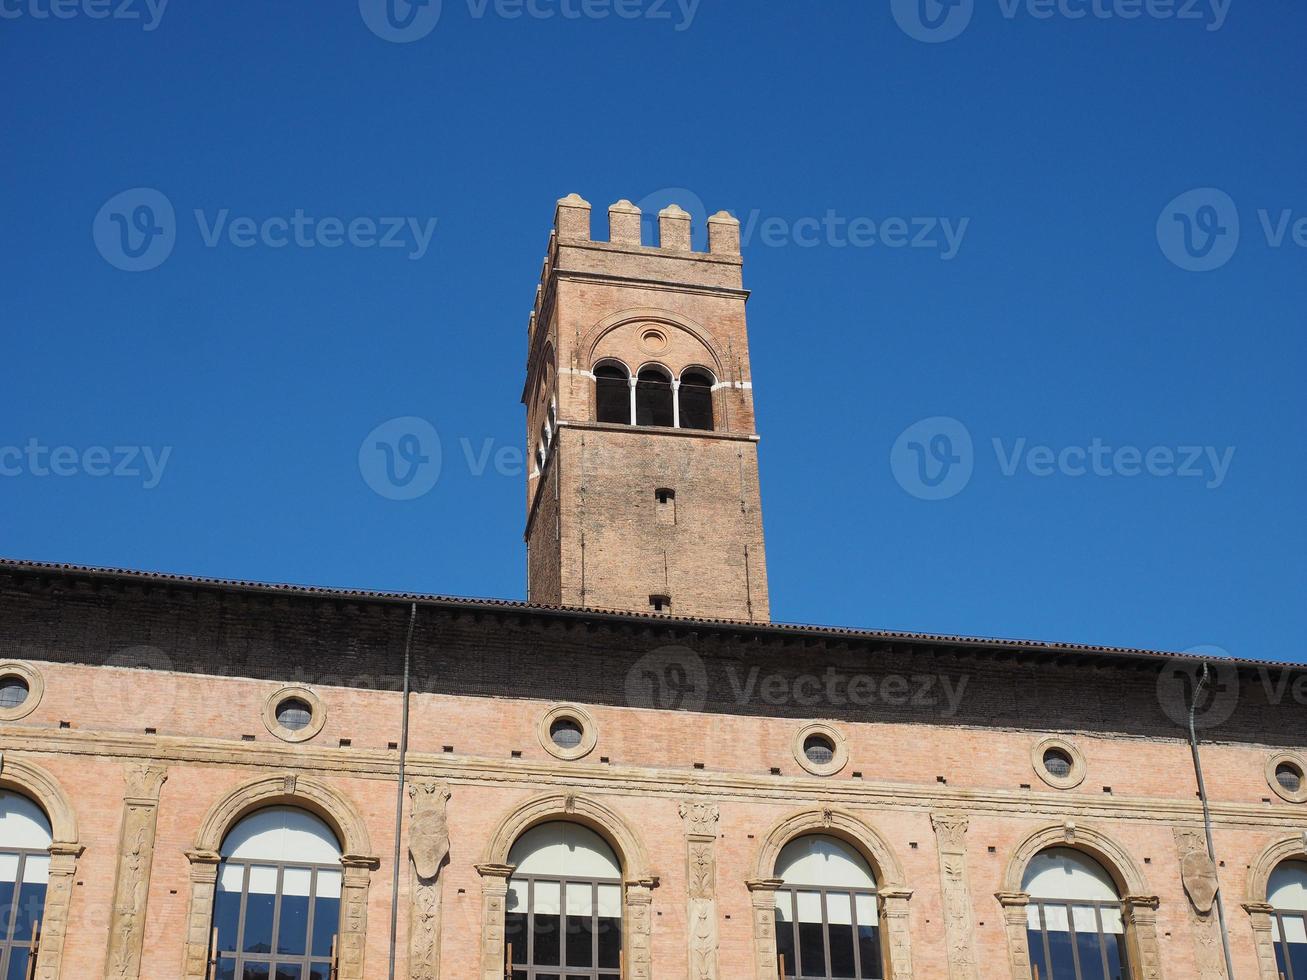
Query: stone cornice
(619, 780)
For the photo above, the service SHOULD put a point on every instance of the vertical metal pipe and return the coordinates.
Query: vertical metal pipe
(1207, 818)
(399, 792)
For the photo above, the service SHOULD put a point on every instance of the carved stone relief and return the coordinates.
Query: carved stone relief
(1200, 884)
(951, 840)
(701, 876)
(132, 885)
(428, 846)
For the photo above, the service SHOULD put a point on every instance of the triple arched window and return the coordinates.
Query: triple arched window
(276, 914)
(25, 838)
(654, 397)
(1074, 923)
(826, 915)
(563, 916)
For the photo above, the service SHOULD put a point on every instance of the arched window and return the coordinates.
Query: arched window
(1286, 893)
(653, 397)
(25, 838)
(826, 918)
(695, 395)
(277, 909)
(1074, 922)
(612, 394)
(564, 911)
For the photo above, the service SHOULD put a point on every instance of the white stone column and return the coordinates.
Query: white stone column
(632, 382)
(676, 402)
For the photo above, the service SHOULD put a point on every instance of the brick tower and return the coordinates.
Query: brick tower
(642, 493)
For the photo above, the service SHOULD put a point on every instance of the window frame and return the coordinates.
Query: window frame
(712, 408)
(272, 958)
(7, 943)
(1070, 904)
(823, 890)
(528, 970)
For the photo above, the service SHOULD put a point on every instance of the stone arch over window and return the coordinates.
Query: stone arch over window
(299, 792)
(1138, 904)
(671, 322)
(638, 881)
(868, 844)
(1261, 912)
(39, 787)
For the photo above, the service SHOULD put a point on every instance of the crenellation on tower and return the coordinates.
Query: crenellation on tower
(638, 391)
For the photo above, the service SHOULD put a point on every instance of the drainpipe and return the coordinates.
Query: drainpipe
(399, 792)
(1207, 818)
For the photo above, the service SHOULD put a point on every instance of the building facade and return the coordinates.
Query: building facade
(217, 779)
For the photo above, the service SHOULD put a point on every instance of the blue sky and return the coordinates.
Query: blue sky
(1067, 310)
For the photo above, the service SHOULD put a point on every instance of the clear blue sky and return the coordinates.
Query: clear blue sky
(1058, 319)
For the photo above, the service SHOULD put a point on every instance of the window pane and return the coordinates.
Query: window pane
(610, 941)
(580, 941)
(812, 949)
(546, 940)
(227, 906)
(869, 952)
(1116, 962)
(613, 400)
(515, 935)
(258, 923)
(653, 399)
(696, 402)
(1091, 956)
(785, 945)
(255, 971)
(1298, 959)
(319, 971)
(326, 923)
(1038, 966)
(17, 965)
(839, 915)
(286, 972)
(293, 930)
(31, 909)
(226, 969)
(1062, 957)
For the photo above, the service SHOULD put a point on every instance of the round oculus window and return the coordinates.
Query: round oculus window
(819, 750)
(1057, 763)
(1289, 777)
(294, 715)
(13, 691)
(566, 733)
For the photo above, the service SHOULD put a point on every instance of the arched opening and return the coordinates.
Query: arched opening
(653, 397)
(1073, 922)
(612, 394)
(1286, 893)
(826, 912)
(25, 839)
(563, 914)
(695, 395)
(277, 907)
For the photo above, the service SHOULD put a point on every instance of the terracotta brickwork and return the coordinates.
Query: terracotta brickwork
(940, 796)
(593, 536)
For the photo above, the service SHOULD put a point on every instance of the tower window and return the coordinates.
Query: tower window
(653, 398)
(660, 603)
(665, 505)
(612, 394)
(695, 394)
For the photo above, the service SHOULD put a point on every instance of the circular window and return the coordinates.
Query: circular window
(1058, 763)
(567, 731)
(13, 691)
(1285, 772)
(294, 714)
(821, 749)
(21, 688)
